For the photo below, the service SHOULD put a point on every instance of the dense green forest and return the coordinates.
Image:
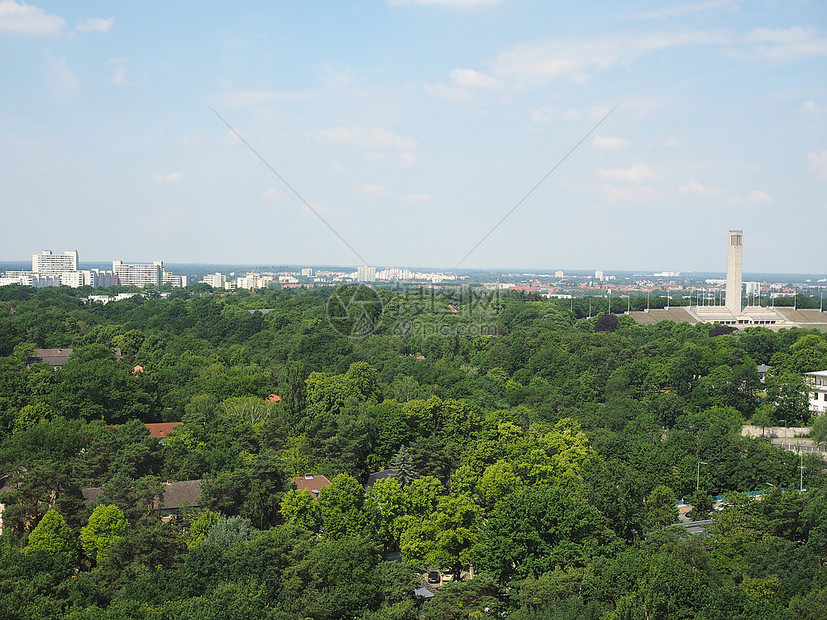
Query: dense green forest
(539, 456)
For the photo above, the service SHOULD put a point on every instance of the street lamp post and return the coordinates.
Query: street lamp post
(698, 476)
(801, 466)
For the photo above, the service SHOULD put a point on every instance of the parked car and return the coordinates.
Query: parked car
(433, 576)
(447, 577)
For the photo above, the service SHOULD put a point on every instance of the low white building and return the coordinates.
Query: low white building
(818, 393)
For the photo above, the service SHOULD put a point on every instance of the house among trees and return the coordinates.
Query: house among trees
(379, 475)
(57, 358)
(313, 484)
(175, 497)
(157, 430)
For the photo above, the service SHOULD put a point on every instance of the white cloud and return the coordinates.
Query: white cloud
(694, 187)
(337, 77)
(754, 196)
(378, 191)
(339, 169)
(783, 44)
(547, 114)
(172, 177)
(474, 79)
(230, 137)
(61, 80)
(273, 194)
(633, 193)
(119, 73)
(812, 106)
(669, 142)
(757, 195)
(682, 10)
(400, 158)
(817, 162)
(451, 3)
(374, 137)
(575, 59)
(24, 18)
(247, 99)
(635, 174)
(95, 25)
(419, 197)
(610, 143)
(449, 93)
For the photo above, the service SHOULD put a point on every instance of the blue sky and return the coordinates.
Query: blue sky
(412, 127)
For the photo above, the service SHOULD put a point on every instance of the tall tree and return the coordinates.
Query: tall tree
(106, 525)
(403, 465)
(54, 536)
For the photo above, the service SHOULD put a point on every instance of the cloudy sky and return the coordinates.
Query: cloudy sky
(412, 127)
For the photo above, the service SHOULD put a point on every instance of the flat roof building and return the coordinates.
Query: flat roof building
(46, 262)
(818, 391)
(139, 274)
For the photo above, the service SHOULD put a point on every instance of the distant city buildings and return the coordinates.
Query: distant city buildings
(49, 269)
(752, 288)
(730, 310)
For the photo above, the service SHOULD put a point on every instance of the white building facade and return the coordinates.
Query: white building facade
(818, 391)
(47, 262)
(139, 274)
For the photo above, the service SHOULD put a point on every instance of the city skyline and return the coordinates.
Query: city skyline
(414, 139)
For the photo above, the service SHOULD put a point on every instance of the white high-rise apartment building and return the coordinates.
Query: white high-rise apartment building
(46, 262)
(216, 280)
(366, 274)
(734, 271)
(139, 274)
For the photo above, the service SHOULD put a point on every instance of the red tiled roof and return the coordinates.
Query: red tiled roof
(273, 398)
(158, 430)
(162, 429)
(311, 483)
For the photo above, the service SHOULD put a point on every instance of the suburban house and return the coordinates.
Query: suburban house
(157, 430)
(57, 358)
(175, 497)
(313, 484)
(379, 475)
(160, 430)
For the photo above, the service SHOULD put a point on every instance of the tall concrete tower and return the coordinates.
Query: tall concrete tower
(734, 271)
